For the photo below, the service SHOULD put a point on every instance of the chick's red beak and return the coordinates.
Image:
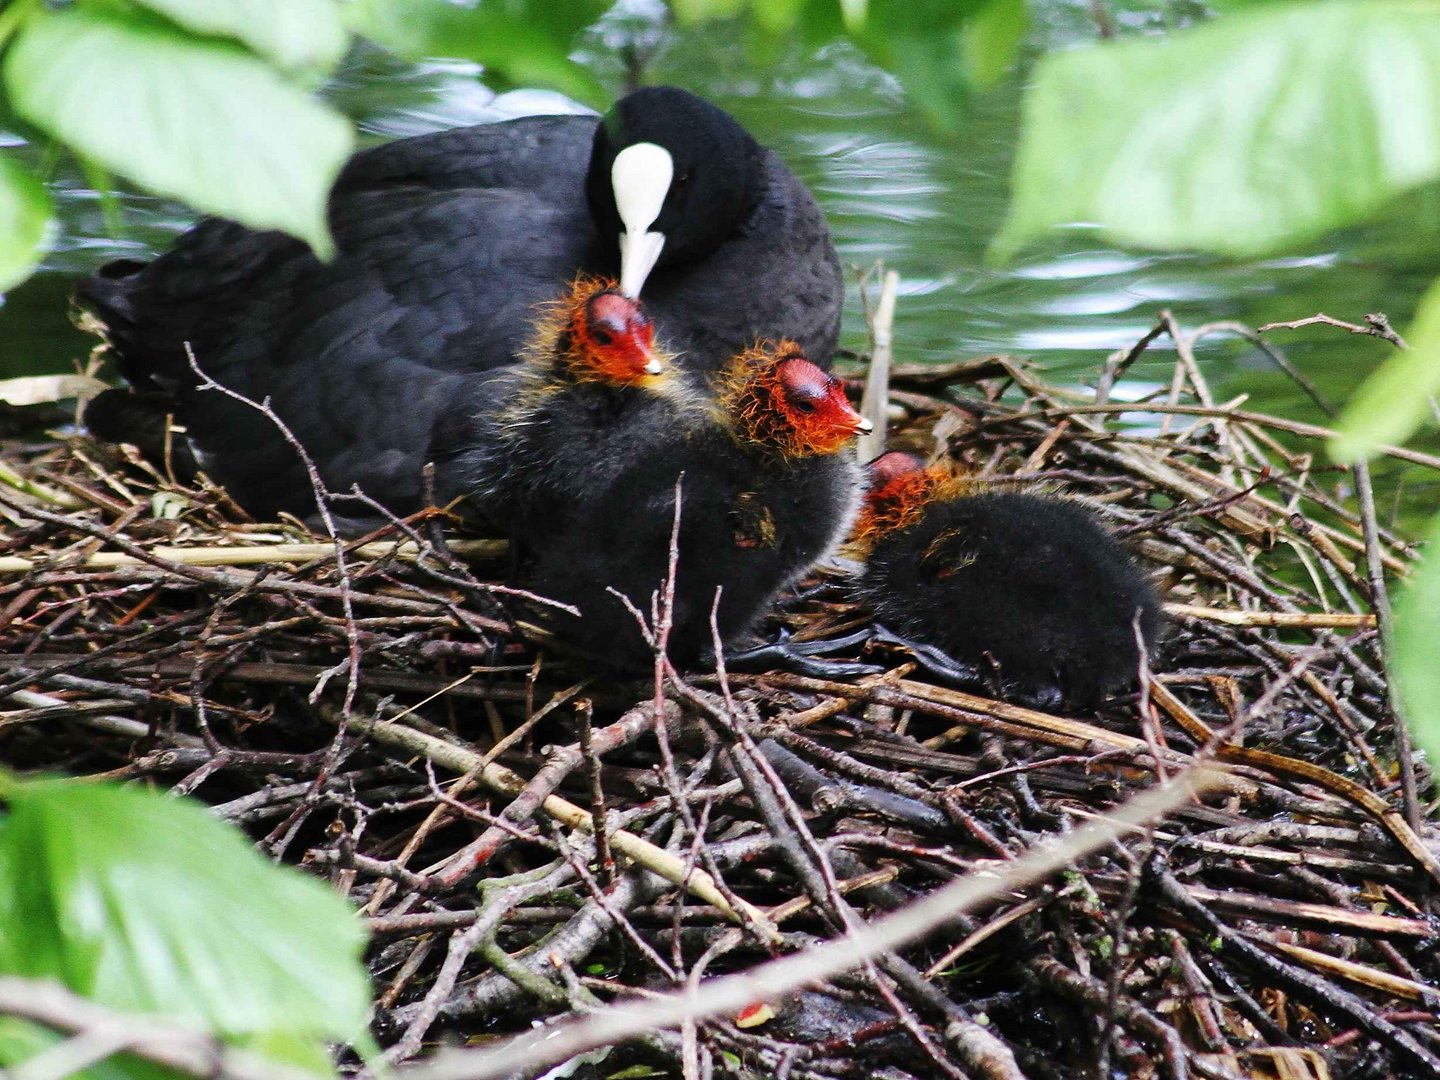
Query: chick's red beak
(643, 342)
(616, 324)
(846, 416)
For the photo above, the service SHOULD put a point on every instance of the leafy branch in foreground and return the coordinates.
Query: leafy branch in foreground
(146, 904)
(1241, 136)
(211, 101)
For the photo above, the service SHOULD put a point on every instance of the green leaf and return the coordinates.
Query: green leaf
(513, 45)
(295, 34)
(1395, 399)
(992, 40)
(1260, 129)
(777, 16)
(146, 903)
(940, 50)
(203, 121)
(1417, 629)
(561, 21)
(689, 12)
(24, 217)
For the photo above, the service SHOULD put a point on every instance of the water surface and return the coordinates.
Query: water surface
(896, 190)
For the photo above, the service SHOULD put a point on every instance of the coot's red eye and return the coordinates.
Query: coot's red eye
(805, 406)
(602, 337)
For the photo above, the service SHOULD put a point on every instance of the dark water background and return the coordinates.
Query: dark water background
(895, 189)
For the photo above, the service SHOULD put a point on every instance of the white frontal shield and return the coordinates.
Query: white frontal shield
(640, 179)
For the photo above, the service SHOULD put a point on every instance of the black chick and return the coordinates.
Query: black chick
(768, 488)
(1029, 590)
(526, 447)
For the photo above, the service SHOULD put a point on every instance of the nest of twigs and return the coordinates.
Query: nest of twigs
(370, 712)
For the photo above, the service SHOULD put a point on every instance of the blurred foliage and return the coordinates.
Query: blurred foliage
(940, 50)
(1241, 136)
(212, 101)
(205, 100)
(297, 35)
(1413, 666)
(25, 210)
(203, 120)
(1395, 400)
(146, 904)
(518, 43)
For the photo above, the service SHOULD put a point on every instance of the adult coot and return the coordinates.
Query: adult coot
(768, 487)
(446, 243)
(1028, 588)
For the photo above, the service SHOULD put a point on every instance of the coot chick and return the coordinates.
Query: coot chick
(527, 446)
(445, 244)
(1029, 588)
(768, 486)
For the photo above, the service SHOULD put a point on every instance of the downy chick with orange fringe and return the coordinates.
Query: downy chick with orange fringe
(769, 487)
(1030, 591)
(527, 446)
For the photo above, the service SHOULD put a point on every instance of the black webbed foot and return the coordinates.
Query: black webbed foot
(1047, 697)
(934, 660)
(803, 657)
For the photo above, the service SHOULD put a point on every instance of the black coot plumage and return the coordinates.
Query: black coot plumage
(769, 487)
(1029, 588)
(446, 243)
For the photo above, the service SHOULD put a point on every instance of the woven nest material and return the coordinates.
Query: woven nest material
(371, 712)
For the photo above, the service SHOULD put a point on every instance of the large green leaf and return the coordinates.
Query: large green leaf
(201, 120)
(296, 34)
(1417, 629)
(512, 42)
(992, 40)
(1395, 399)
(1254, 131)
(24, 216)
(146, 903)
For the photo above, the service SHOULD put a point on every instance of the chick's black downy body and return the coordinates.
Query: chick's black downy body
(750, 524)
(446, 243)
(532, 470)
(1029, 586)
(768, 487)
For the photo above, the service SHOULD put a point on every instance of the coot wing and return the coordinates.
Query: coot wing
(349, 360)
(407, 218)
